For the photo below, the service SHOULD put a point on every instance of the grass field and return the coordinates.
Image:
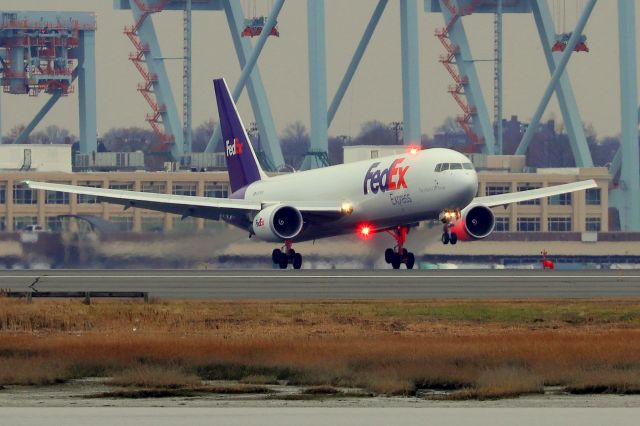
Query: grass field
(475, 350)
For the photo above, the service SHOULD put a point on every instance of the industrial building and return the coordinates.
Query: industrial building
(20, 207)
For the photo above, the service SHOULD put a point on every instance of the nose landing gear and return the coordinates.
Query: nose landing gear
(398, 255)
(448, 218)
(286, 256)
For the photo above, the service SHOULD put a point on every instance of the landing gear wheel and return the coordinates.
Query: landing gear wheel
(411, 260)
(276, 255)
(454, 238)
(388, 255)
(397, 260)
(297, 261)
(445, 238)
(284, 262)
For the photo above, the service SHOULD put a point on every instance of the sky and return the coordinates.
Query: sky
(375, 93)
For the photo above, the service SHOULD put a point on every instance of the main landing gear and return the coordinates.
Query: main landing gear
(286, 256)
(398, 255)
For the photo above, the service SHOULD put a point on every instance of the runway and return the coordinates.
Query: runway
(335, 284)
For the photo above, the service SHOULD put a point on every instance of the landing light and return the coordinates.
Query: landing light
(346, 208)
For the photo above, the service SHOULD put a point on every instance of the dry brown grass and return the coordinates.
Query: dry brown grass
(396, 348)
(505, 382)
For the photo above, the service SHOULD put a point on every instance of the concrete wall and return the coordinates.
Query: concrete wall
(44, 158)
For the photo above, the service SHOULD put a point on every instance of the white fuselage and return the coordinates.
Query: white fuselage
(383, 192)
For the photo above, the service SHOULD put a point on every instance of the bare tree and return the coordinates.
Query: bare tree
(375, 133)
(14, 133)
(52, 135)
(202, 135)
(129, 139)
(295, 143)
(449, 126)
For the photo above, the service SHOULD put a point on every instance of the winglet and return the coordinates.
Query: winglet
(242, 162)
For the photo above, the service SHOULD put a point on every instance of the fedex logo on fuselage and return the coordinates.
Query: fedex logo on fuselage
(385, 180)
(234, 147)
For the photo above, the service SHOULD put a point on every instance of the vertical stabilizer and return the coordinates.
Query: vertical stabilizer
(242, 162)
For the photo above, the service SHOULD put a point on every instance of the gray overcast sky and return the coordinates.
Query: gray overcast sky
(376, 90)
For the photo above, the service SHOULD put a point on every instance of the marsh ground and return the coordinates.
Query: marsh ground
(415, 351)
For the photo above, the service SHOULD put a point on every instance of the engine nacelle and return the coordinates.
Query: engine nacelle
(475, 223)
(278, 223)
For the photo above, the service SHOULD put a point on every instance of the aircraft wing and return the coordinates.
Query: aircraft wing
(533, 194)
(203, 207)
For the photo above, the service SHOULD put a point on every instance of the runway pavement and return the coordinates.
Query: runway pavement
(335, 284)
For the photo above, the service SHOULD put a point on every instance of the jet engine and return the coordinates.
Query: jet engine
(475, 223)
(278, 223)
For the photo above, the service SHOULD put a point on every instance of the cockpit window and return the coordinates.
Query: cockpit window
(442, 167)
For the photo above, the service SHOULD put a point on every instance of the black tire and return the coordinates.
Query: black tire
(454, 238)
(388, 255)
(411, 260)
(405, 253)
(397, 261)
(297, 261)
(292, 253)
(445, 238)
(276, 254)
(284, 262)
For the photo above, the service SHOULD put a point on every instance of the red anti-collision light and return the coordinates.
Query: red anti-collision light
(365, 231)
(413, 149)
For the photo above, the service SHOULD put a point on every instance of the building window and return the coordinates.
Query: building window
(121, 186)
(88, 199)
(593, 197)
(528, 187)
(155, 187)
(3, 193)
(21, 222)
(216, 190)
(560, 200)
(152, 223)
(593, 224)
(503, 224)
(497, 189)
(123, 223)
(24, 195)
(54, 197)
(54, 224)
(185, 188)
(528, 224)
(187, 224)
(560, 224)
(3, 223)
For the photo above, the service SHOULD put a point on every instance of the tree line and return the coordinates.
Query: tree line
(549, 148)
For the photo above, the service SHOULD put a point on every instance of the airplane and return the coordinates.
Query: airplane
(390, 194)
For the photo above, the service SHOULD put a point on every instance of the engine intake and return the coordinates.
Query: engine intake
(278, 223)
(476, 223)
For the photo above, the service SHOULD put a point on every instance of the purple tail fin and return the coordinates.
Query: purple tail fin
(242, 162)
